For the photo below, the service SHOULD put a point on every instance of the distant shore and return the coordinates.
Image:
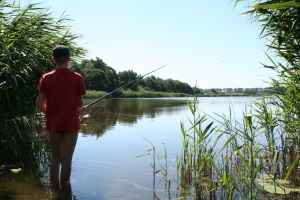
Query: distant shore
(150, 94)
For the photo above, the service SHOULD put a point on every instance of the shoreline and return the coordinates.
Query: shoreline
(151, 94)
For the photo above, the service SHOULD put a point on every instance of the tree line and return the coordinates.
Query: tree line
(22, 64)
(101, 77)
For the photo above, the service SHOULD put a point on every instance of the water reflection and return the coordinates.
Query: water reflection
(108, 113)
(107, 168)
(33, 181)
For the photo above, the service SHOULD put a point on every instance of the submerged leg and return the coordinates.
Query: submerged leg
(65, 192)
(69, 140)
(55, 143)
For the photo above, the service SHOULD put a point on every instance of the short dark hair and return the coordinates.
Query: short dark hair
(61, 53)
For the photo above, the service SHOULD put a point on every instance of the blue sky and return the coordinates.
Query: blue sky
(211, 44)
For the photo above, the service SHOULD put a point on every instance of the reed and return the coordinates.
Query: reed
(133, 94)
(93, 94)
(195, 164)
(254, 162)
(28, 36)
(157, 167)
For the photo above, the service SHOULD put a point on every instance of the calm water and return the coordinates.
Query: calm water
(106, 163)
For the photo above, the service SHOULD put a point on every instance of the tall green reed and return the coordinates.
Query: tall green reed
(195, 165)
(229, 157)
(254, 146)
(279, 21)
(27, 38)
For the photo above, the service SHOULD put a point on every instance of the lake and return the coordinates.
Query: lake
(111, 159)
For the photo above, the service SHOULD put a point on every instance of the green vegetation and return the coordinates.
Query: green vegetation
(101, 77)
(240, 169)
(27, 37)
(227, 158)
(280, 22)
(144, 93)
(133, 94)
(260, 158)
(23, 63)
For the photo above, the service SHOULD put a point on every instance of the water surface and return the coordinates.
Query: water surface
(107, 162)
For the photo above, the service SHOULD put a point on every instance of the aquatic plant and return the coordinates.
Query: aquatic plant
(27, 37)
(195, 165)
(227, 158)
(157, 168)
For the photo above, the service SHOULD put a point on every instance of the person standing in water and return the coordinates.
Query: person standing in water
(60, 98)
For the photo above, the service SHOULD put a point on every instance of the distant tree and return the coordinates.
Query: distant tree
(249, 91)
(171, 85)
(112, 79)
(238, 90)
(229, 90)
(198, 90)
(184, 88)
(99, 64)
(214, 91)
(151, 82)
(98, 75)
(95, 79)
(75, 67)
(126, 77)
(161, 85)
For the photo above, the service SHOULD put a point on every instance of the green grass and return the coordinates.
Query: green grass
(133, 94)
(92, 94)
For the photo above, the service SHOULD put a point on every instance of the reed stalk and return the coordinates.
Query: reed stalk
(251, 150)
(28, 35)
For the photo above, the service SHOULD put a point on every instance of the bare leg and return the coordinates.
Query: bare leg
(55, 143)
(65, 192)
(69, 140)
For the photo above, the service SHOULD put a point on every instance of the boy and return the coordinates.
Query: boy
(60, 98)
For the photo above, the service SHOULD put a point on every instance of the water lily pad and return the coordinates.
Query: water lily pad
(275, 189)
(278, 187)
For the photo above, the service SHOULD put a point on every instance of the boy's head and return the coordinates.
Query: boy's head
(61, 54)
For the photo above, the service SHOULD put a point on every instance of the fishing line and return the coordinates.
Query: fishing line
(109, 94)
(104, 105)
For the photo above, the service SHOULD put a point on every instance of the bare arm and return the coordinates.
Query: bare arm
(41, 102)
(81, 108)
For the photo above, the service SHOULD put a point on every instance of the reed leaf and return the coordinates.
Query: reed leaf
(241, 156)
(226, 145)
(277, 6)
(291, 167)
(22, 65)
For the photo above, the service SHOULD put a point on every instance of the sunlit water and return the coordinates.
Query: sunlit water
(110, 160)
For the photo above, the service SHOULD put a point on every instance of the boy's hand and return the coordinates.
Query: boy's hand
(82, 110)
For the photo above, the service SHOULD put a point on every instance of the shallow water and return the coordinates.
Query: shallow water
(106, 162)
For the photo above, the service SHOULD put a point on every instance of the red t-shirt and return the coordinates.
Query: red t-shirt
(62, 88)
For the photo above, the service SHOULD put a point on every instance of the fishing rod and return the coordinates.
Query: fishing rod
(90, 104)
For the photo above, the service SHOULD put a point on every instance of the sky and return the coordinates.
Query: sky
(208, 42)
